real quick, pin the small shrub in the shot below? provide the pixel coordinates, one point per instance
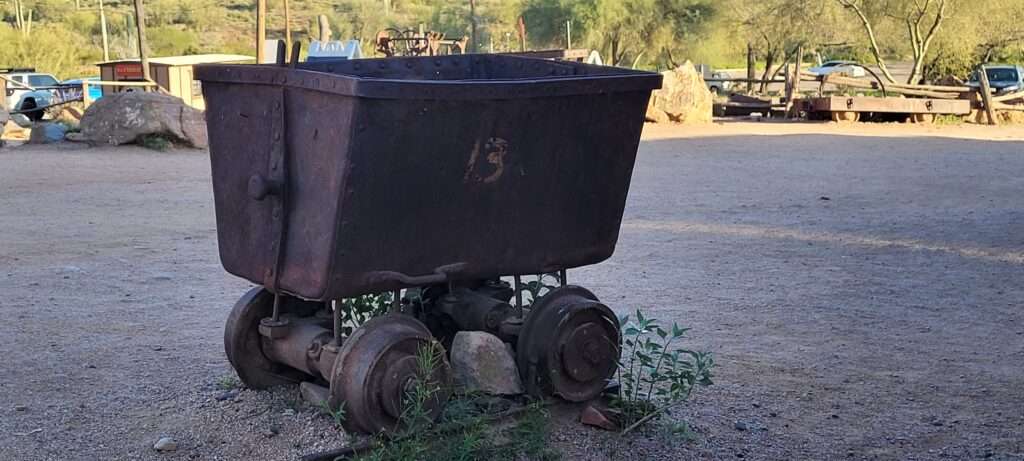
(337, 415)
(358, 310)
(228, 382)
(155, 142)
(654, 373)
(464, 433)
(949, 119)
(534, 289)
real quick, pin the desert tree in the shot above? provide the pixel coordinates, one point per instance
(921, 21)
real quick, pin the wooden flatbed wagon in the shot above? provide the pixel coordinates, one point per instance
(853, 108)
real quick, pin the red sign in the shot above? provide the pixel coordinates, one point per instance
(128, 70)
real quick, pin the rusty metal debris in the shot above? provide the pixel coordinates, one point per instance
(394, 42)
(434, 175)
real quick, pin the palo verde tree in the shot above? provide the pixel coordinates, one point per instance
(921, 21)
(626, 32)
(777, 28)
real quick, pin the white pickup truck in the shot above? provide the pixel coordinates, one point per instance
(27, 90)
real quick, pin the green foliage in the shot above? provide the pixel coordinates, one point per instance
(155, 142)
(337, 415)
(652, 34)
(474, 439)
(50, 48)
(228, 382)
(532, 290)
(464, 432)
(356, 311)
(655, 376)
(173, 41)
(626, 32)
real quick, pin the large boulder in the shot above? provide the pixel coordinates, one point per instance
(683, 98)
(123, 118)
(482, 363)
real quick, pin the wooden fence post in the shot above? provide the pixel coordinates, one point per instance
(986, 95)
(85, 94)
(261, 30)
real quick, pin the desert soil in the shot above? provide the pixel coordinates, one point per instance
(860, 285)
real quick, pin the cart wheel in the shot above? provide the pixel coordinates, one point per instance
(244, 345)
(569, 345)
(379, 365)
(845, 116)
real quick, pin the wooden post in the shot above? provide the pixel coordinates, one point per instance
(986, 95)
(287, 29)
(103, 30)
(750, 68)
(794, 85)
(140, 26)
(261, 30)
(85, 94)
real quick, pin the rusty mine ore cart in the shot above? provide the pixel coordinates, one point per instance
(433, 175)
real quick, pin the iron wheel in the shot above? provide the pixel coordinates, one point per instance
(569, 345)
(376, 369)
(244, 344)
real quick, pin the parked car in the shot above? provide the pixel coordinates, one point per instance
(95, 92)
(29, 90)
(719, 87)
(1003, 78)
(839, 67)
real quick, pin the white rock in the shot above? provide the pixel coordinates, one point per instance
(481, 362)
(165, 444)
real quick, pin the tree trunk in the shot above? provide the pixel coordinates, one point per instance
(921, 44)
(750, 68)
(324, 28)
(472, 26)
(870, 30)
(769, 61)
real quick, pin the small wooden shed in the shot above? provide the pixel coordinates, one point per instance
(172, 73)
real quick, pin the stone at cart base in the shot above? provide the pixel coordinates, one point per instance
(47, 133)
(598, 416)
(314, 394)
(481, 362)
(165, 444)
(123, 118)
(683, 98)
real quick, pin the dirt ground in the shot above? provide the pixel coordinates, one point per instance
(860, 285)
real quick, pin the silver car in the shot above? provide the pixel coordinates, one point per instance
(29, 90)
(1003, 79)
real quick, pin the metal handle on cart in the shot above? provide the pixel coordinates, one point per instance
(440, 275)
(260, 187)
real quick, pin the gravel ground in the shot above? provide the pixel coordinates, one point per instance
(860, 286)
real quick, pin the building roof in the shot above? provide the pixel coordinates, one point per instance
(189, 60)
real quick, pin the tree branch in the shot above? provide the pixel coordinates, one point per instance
(849, 4)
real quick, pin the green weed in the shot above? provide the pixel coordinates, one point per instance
(228, 382)
(656, 374)
(155, 142)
